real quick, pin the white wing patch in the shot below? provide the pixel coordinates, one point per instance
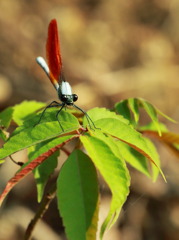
(41, 61)
(66, 88)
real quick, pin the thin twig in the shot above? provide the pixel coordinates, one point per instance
(46, 200)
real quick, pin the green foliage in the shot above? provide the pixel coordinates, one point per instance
(6, 116)
(26, 110)
(45, 169)
(77, 192)
(118, 140)
(26, 136)
(133, 104)
(107, 159)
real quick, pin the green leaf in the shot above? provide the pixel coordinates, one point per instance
(25, 110)
(152, 127)
(133, 105)
(92, 230)
(45, 169)
(100, 113)
(43, 172)
(128, 135)
(49, 116)
(106, 158)
(4, 135)
(151, 112)
(170, 139)
(28, 168)
(19, 112)
(77, 193)
(165, 116)
(134, 158)
(123, 109)
(155, 170)
(43, 147)
(6, 117)
(32, 135)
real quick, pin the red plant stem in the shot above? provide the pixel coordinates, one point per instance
(28, 169)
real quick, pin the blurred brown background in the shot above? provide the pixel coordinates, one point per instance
(111, 50)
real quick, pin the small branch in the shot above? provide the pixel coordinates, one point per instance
(44, 205)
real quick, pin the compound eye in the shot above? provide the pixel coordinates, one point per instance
(75, 97)
(64, 98)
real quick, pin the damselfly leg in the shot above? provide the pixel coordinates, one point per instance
(89, 120)
(62, 106)
(52, 104)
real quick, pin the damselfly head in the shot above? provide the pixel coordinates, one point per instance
(69, 99)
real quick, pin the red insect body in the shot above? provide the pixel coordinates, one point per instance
(53, 53)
